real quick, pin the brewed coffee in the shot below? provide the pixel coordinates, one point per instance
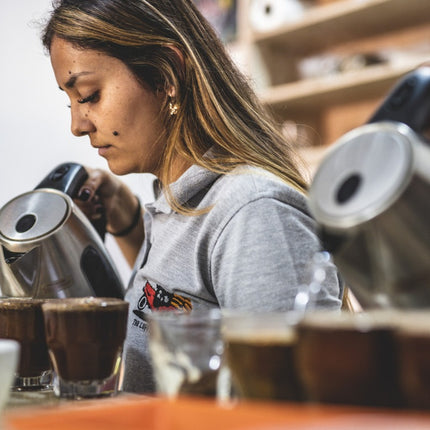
(262, 367)
(412, 338)
(22, 319)
(347, 358)
(85, 337)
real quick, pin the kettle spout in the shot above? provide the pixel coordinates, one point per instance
(18, 272)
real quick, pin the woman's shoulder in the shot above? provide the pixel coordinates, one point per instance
(246, 183)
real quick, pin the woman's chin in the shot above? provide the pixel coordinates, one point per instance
(120, 169)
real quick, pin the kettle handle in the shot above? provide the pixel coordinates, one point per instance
(408, 102)
(68, 178)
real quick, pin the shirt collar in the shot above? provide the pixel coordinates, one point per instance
(192, 181)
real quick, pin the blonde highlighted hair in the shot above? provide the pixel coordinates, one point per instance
(218, 110)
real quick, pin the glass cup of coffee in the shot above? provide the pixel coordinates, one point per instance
(347, 358)
(21, 319)
(259, 351)
(85, 338)
(186, 351)
(412, 337)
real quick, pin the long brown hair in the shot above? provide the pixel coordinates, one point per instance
(218, 110)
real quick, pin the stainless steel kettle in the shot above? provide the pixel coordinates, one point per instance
(370, 198)
(49, 248)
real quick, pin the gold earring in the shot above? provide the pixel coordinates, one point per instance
(173, 108)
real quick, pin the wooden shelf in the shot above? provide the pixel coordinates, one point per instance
(343, 21)
(397, 32)
(318, 93)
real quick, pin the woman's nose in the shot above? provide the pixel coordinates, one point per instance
(81, 125)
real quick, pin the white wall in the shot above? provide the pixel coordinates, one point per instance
(34, 119)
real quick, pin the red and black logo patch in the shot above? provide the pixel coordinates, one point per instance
(160, 299)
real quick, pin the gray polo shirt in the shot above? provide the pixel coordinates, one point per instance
(249, 251)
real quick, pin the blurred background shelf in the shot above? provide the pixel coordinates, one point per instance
(318, 93)
(333, 66)
(344, 20)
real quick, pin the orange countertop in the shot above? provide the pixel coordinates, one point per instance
(152, 413)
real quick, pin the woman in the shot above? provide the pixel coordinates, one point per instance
(152, 86)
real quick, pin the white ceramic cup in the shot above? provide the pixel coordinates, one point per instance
(9, 355)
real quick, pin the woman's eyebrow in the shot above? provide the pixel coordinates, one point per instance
(72, 79)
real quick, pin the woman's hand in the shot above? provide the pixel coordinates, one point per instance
(103, 194)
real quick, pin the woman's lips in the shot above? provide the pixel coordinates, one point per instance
(103, 150)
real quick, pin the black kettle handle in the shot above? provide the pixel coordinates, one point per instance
(68, 178)
(408, 102)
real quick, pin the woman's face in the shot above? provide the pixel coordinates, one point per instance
(120, 116)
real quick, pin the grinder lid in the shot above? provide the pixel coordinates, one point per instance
(33, 215)
(362, 175)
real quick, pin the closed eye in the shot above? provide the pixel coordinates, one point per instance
(94, 97)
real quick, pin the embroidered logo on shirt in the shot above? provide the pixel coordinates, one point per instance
(159, 299)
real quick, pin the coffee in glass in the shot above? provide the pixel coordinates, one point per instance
(259, 354)
(21, 319)
(85, 339)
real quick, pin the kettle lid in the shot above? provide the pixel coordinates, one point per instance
(362, 174)
(33, 215)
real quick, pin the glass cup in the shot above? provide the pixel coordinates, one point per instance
(21, 319)
(412, 338)
(186, 351)
(85, 338)
(259, 351)
(348, 358)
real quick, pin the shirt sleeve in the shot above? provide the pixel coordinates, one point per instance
(262, 256)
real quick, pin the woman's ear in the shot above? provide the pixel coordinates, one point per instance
(171, 92)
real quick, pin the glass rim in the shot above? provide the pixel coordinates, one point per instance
(24, 302)
(83, 304)
(194, 316)
(8, 345)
